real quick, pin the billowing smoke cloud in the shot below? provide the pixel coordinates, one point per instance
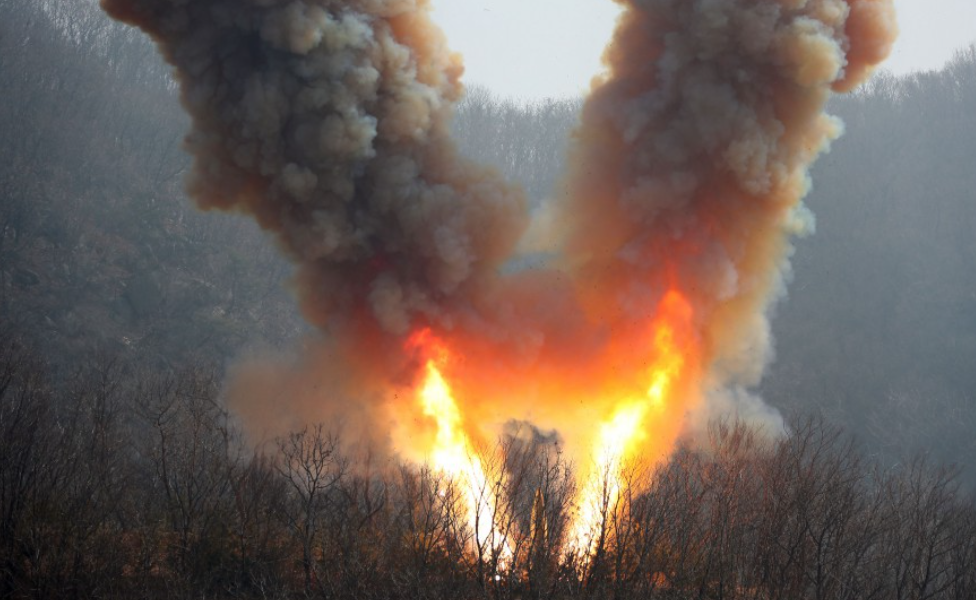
(328, 121)
(693, 158)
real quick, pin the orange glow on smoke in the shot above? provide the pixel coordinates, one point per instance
(637, 391)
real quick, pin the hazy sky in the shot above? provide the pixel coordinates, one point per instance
(538, 48)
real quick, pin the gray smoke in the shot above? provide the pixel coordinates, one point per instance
(328, 121)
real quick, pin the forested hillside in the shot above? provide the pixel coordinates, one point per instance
(99, 248)
(879, 330)
(122, 475)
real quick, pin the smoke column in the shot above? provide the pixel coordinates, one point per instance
(693, 157)
(328, 121)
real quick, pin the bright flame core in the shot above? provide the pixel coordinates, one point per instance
(640, 427)
(621, 438)
(452, 454)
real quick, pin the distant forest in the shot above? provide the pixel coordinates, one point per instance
(121, 475)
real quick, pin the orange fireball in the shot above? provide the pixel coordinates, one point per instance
(637, 390)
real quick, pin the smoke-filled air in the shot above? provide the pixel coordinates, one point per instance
(667, 241)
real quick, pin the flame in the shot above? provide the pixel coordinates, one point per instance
(622, 437)
(643, 381)
(452, 453)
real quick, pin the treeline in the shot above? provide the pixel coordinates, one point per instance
(116, 483)
(526, 140)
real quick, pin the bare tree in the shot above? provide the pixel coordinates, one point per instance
(189, 449)
(25, 442)
(311, 464)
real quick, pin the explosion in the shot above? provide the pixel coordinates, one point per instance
(623, 437)
(451, 451)
(328, 121)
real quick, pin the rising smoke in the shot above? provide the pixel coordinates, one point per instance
(328, 121)
(693, 158)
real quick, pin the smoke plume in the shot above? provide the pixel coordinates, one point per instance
(328, 121)
(693, 157)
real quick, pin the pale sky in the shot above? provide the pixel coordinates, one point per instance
(537, 48)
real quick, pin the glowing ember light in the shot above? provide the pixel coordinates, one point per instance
(620, 438)
(452, 454)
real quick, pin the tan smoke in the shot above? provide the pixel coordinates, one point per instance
(693, 157)
(328, 121)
